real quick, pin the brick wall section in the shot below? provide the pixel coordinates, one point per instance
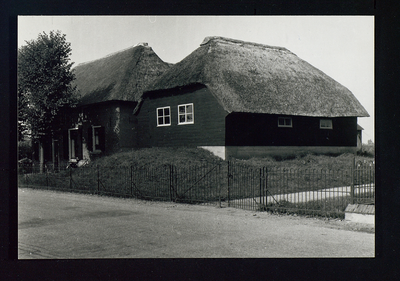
(361, 209)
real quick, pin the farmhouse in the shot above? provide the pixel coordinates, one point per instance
(110, 89)
(241, 99)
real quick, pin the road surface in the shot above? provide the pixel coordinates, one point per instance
(58, 225)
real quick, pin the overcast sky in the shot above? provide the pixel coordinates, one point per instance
(340, 46)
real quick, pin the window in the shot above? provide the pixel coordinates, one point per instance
(185, 114)
(285, 122)
(163, 116)
(325, 124)
(96, 138)
(73, 143)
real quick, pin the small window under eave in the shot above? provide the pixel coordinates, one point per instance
(325, 124)
(285, 122)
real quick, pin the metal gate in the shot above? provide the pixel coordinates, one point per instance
(247, 187)
(196, 184)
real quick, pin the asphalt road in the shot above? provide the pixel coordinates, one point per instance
(61, 225)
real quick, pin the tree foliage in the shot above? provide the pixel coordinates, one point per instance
(44, 83)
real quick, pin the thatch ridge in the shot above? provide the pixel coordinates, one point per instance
(122, 75)
(251, 77)
(225, 40)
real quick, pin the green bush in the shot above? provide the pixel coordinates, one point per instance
(368, 150)
(329, 207)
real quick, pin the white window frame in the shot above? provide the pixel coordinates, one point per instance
(71, 144)
(163, 116)
(94, 139)
(326, 124)
(284, 122)
(185, 114)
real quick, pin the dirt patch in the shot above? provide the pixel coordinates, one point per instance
(339, 224)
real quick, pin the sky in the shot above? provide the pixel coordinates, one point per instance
(340, 46)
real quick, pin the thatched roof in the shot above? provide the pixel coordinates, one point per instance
(250, 77)
(119, 76)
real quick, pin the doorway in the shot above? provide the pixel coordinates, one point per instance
(74, 144)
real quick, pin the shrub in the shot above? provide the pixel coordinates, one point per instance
(368, 150)
(25, 150)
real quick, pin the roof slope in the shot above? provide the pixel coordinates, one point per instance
(250, 77)
(119, 76)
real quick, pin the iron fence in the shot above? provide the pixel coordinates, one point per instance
(325, 192)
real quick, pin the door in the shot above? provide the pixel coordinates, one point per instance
(74, 144)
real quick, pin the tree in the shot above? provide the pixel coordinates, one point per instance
(44, 83)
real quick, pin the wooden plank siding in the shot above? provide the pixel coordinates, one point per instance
(209, 119)
(246, 129)
(128, 122)
(117, 119)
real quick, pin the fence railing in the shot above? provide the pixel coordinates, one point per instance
(325, 192)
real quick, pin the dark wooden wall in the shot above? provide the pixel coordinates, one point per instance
(106, 115)
(245, 129)
(209, 119)
(128, 122)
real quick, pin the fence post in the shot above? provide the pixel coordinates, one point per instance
(70, 178)
(266, 185)
(261, 186)
(98, 179)
(353, 171)
(219, 184)
(229, 182)
(171, 180)
(47, 178)
(131, 183)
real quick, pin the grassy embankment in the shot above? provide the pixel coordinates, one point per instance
(182, 157)
(115, 167)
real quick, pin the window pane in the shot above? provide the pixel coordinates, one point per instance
(167, 120)
(189, 108)
(160, 120)
(181, 109)
(281, 121)
(96, 136)
(189, 118)
(160, 112)
(166, 111)
(181, 118)
(325, 123)
(288, 122)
